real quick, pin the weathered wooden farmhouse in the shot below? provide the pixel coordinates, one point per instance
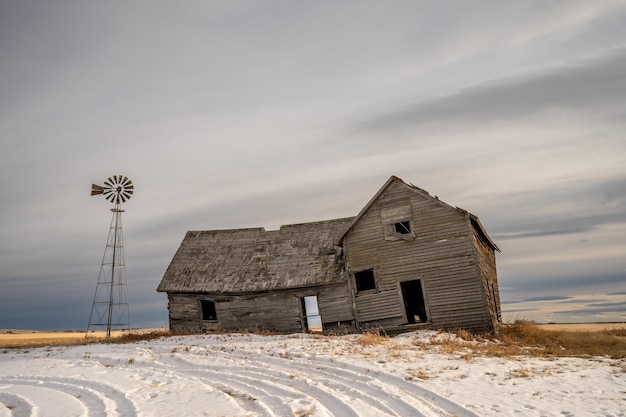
(406, 261)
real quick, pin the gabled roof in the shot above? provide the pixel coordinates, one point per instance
(249, 260)
(395, 180)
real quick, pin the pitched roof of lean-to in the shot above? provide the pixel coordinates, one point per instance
(249, 260)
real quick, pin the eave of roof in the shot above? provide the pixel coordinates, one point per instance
(476, 221)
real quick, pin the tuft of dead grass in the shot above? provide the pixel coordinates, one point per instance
(529, 339)
(372, 338)
(616, 332)
(138, 336)
(522, 334)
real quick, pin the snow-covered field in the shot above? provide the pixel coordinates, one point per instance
(300, 375)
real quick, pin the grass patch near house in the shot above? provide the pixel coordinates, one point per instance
(529, 339)
(372, 338)
(520, 338)
(534, 340)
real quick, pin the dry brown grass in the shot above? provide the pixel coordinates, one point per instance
(26, 340)
(372, 337)
(138, 336)
(520, 338)
(535, 339)
(37, 339)
(529, 339)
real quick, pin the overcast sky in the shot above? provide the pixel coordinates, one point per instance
(229, 114)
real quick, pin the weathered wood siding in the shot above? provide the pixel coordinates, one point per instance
(487, 266)
(277, 311)
(184, 312)
(440, 252)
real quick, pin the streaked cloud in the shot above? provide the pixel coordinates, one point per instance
(241, 114)
(593, 86)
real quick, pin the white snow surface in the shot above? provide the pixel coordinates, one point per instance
(300, 375)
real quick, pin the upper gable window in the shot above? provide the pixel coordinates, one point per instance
(397, 221)
(403, 228)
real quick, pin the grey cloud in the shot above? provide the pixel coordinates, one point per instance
(597, 86)
(585, 207)
(579, 301)
(518, 310)
(608, 304)
(589, 311)
(58, 300)
(172, 94)
(546, 298)
(568, 283)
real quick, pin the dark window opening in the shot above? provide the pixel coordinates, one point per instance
(403, 228)
(365, 280)
(414, 301)
(208, 310)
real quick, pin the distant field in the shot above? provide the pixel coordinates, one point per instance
(583, 327)
(21, 338)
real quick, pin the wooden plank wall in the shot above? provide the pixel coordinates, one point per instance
(442, 254)
(275, 311)
(487, 264)
(184, 312)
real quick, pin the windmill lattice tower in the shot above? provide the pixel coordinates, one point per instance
(110, 306)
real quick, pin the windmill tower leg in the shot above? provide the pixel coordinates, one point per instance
(110, 309)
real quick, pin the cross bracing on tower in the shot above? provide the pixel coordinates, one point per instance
(110, 308)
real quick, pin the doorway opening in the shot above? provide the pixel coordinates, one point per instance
(311, 314)
(414, 305)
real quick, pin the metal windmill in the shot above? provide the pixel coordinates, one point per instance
(110, 305)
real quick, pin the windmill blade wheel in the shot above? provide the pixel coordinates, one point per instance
(116, 189)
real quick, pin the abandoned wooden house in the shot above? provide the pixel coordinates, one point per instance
(406, 261)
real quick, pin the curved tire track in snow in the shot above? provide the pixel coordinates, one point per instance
(251, 380)
(97, 399)
(19, 406)
(339, 388)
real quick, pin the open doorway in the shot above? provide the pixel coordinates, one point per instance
(311, 314)
(414, 305)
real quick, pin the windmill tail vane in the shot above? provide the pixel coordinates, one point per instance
(96, 189)
(110, 306)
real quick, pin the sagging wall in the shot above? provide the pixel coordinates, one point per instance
(487, 265)
(277, 311)
(439, 252)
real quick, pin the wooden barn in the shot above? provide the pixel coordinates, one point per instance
(406, 261)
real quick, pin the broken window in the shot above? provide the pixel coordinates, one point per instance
(365, 280)
(403, 228)
(208, 310)
(397, 222)
(414, 304)
(311, 316)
